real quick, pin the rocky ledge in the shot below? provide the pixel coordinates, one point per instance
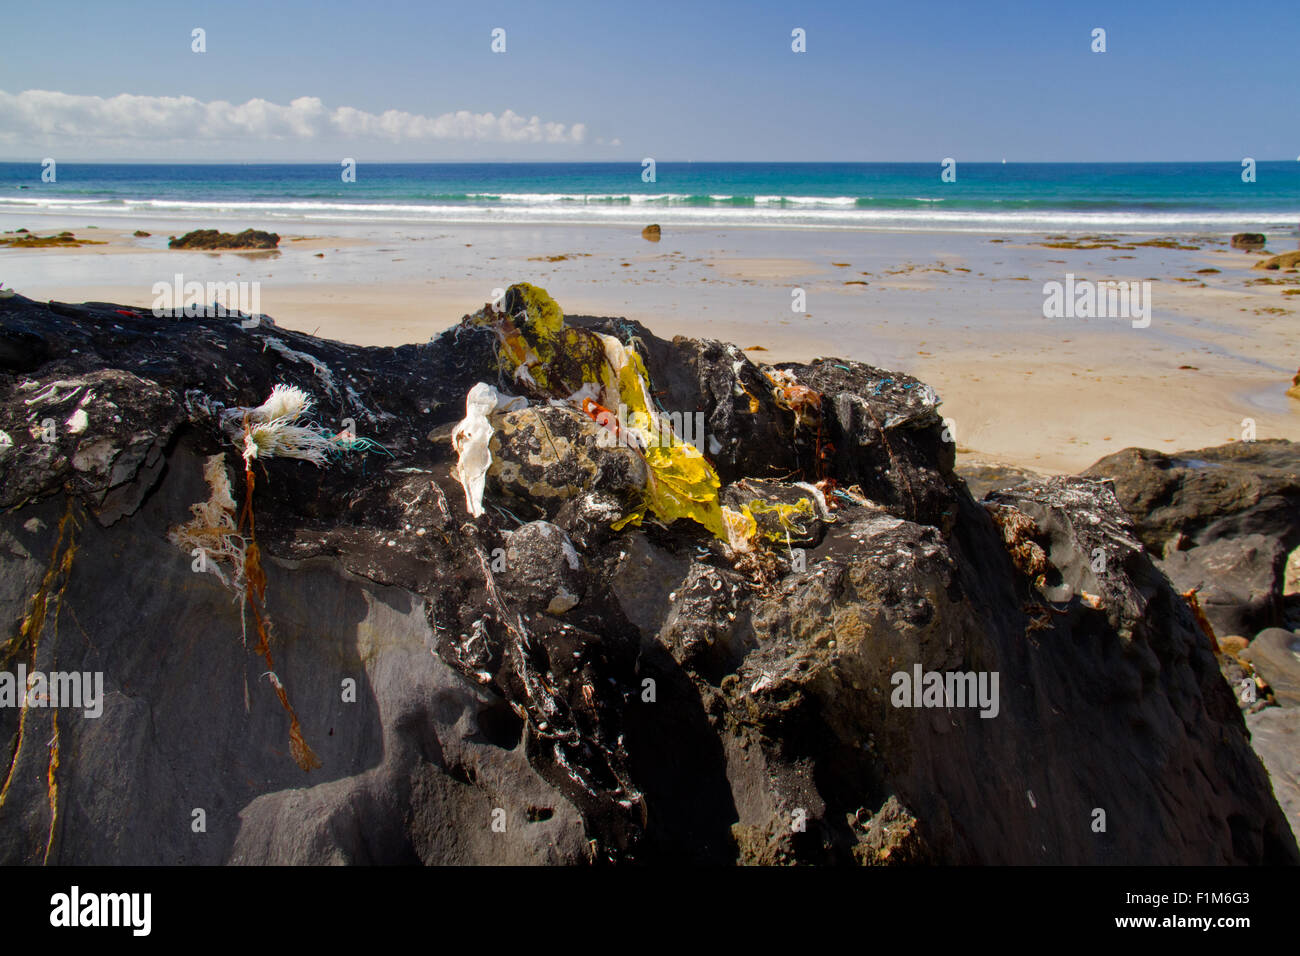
(535, 685)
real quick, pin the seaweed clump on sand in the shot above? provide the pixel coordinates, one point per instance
(214, 240)
(22, 239)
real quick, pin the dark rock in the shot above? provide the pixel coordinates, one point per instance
(1094, 560)
(982, 479)
(1222, 519)
(650, 232)
(890, 837)
(884, 433)
(802, 531)
(21, 350)
(816, 694)
(1236, 579)
(1275, 735)
(543, 569)
(646, 580)
(689, 707)
(1250, 241)
(701, 626)
(212, 239)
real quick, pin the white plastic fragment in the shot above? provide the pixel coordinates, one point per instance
(470, 440)
(77, 422)
(817, 497)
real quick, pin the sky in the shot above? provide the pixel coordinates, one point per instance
(417, 80)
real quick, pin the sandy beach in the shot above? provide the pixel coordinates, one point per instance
(961, 310)
(701, 436)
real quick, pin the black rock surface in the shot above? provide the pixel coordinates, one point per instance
(1222, 520)
(662, 700)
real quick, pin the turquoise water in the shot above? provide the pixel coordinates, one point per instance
(1066, 197)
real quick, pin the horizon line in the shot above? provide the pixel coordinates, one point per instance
(638, 162)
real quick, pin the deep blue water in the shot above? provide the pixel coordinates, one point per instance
(1143, 197)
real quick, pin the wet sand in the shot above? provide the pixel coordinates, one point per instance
(962, 311)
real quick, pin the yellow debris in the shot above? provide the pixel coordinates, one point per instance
(584, 367)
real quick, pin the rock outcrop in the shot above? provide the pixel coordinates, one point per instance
(1274, 655)
(535, 686)
(1222, 520)
(1227, 522)
(1249, 241)
(212, 239)
(1287, 261)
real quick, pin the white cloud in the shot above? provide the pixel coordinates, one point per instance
(51, 116)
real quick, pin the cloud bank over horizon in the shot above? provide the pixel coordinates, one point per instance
(48, 119)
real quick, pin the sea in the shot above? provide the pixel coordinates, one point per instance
(1069, 198)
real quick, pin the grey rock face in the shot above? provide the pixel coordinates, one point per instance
(682, 703)
(1223, 519)
(544, 568)
(1275, 654)
(1275, 734)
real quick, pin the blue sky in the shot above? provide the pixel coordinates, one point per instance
(673, 80)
